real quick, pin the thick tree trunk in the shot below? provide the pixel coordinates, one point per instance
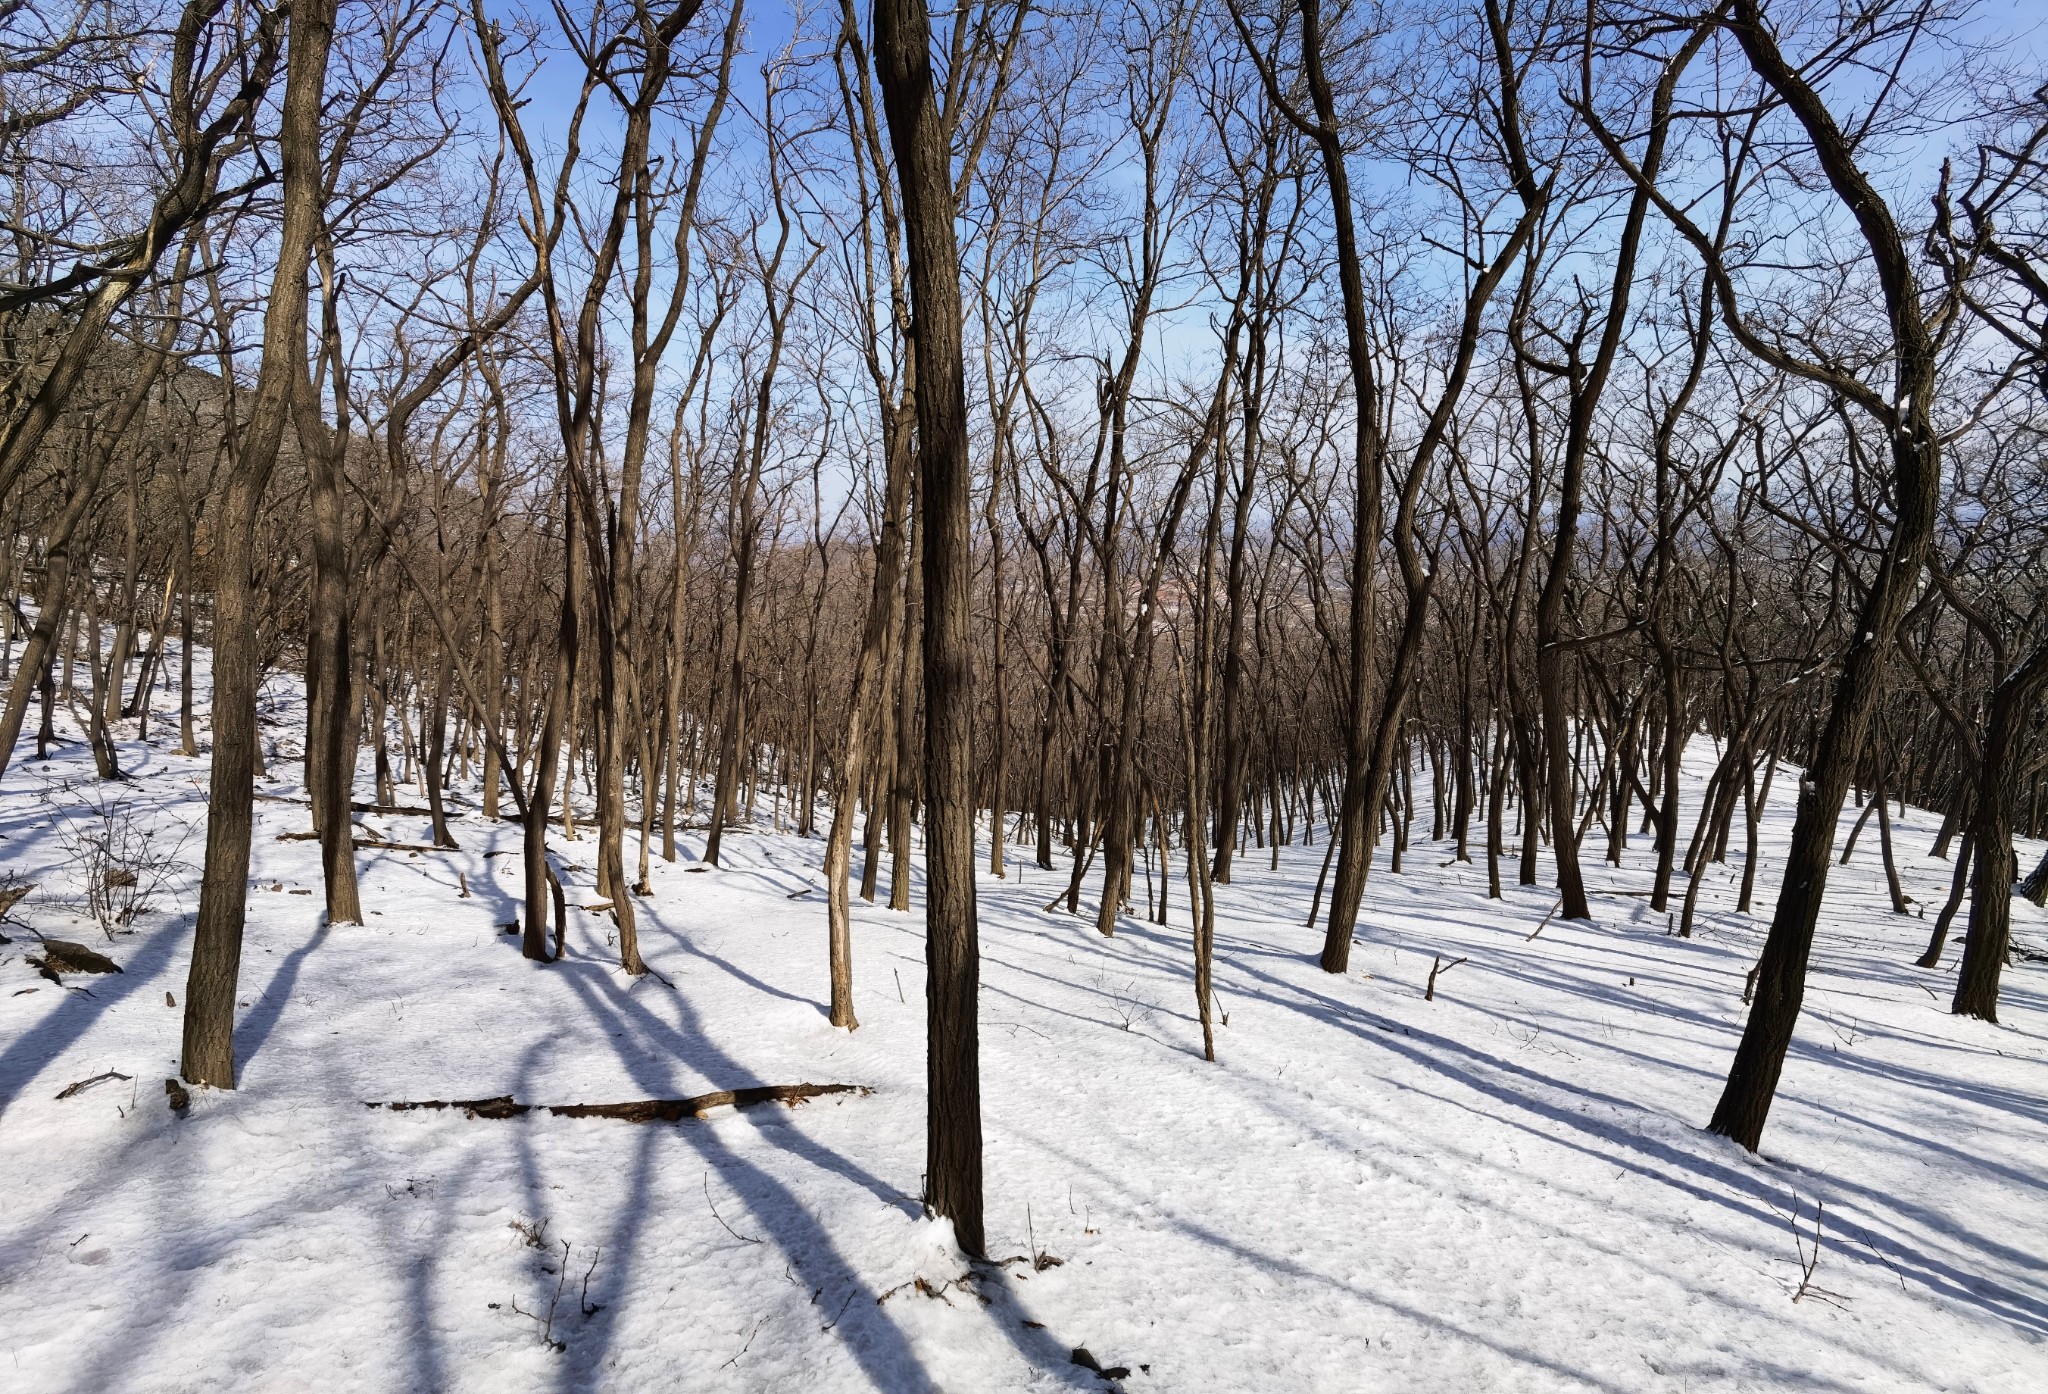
(952, 955)
(209, 1034)
(329, 659)
(556, 720)
(902, 791)
(1354, 823)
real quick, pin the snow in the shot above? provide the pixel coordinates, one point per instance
(1504, 1189)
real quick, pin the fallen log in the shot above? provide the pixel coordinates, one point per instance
(372, 842)
(633, 1110)
(63, 956)
(675, 1110)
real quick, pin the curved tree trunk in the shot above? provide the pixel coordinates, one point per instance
(1915, 484)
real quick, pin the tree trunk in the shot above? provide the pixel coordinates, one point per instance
(209, 1032)
(952, 956)
(556, 720)
(863, 708)
(1990, 933)
(1916, 486)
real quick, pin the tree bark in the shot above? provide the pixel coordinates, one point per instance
(1916, 483)
(209, 1029)
(953, 1184)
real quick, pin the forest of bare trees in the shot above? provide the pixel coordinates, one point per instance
(1118, 440)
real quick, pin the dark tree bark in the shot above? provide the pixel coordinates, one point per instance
(952, 953)
(209, 1035)
(1354, 824)
(1588, 384)
(1915, 486)
(330, 698)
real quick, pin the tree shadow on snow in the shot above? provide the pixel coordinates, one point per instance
(1523, 1090)
(864, 1329)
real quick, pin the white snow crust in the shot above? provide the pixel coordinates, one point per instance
(1507, 1188)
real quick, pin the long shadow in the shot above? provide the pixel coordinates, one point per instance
(1350, 1018)
(1988, 1096)
(26, 1056)
(582, 1361)
(261, 1018)
(1258, 1259)
(1662, 1162)
(1805, 1048)
(187, 1251)
(734, 970)
(874, 1341)
(1533, 971)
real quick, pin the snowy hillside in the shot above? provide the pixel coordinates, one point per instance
(1506, 1188)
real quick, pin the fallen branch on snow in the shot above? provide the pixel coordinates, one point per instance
(634, 1110)
(63, 956)
(372, 842)
(84, 1084)
(1436, 966)
(1546, 920)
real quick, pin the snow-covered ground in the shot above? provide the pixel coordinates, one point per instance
(1504, 1189)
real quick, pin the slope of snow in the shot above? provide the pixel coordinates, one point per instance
(1506, 1188)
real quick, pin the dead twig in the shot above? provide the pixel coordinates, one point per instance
(743, 1238)
(1436, 966)
(734, 1362)
(547, 1323)
(841, 1312)
(84, 1084)
(1808, 1262)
